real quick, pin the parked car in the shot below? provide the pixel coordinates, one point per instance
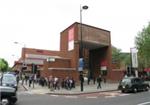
(8, 95)
(133, 84)
(9, 80)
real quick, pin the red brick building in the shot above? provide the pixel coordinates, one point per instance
(96, 44)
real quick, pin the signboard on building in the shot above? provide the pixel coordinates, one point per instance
(71, 39)
(50, 59)
(103, 65)
(81, 64)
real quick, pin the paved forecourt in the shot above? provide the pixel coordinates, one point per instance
(92, 88)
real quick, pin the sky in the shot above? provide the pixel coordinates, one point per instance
(38, 23)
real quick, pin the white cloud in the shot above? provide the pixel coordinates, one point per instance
(38, 23)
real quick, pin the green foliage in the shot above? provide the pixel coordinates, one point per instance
(142, 42)
(116, 54)
(125, 58)
(116, 57)
(3, 65)
(119, 58)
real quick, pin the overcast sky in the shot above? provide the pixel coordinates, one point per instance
(38, 23)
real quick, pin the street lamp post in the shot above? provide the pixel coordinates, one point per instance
(23, 61)
(81, 45)
(81, 48)
(24, 46)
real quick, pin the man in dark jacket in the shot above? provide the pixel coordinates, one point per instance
(99, 79)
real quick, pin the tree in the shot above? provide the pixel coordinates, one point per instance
(116, 56)
(125, 58)
(119, 58)
(142, 42)
(3, 65)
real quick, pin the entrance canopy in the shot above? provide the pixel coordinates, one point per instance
(93, 45)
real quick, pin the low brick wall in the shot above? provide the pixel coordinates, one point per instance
(116, 75)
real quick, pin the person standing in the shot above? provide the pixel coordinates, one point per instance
(104, 79)
(51, 82)
(26, 78)
(30, 80)
(23, 79)
(81, 81)
(99, 79)
(17, 77)
(94, 80)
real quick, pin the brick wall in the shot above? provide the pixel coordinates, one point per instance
(61, 71)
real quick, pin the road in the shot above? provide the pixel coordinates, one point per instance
(103, 98)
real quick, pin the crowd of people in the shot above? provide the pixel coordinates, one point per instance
(51, 82)
(54, 83)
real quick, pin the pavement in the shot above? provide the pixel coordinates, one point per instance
(87, 89)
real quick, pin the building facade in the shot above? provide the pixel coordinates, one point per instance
(78, 40)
